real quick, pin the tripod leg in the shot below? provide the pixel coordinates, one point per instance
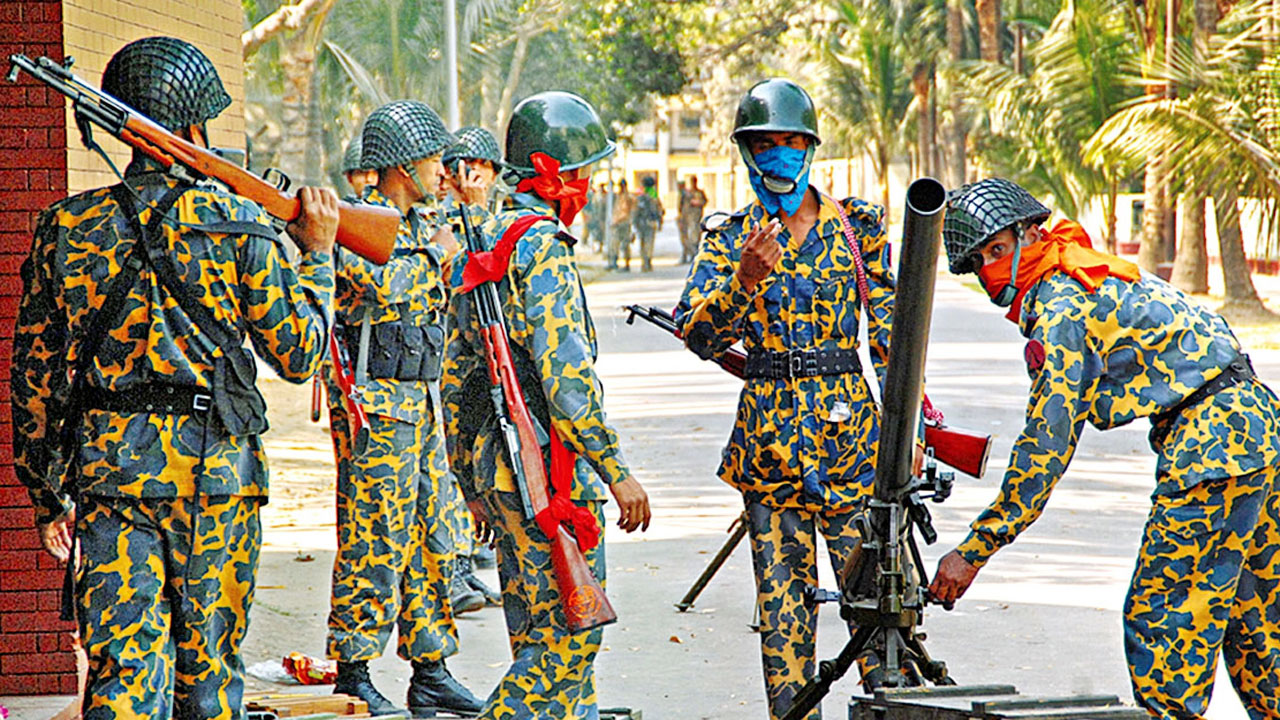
(829, 671)
(739, 532)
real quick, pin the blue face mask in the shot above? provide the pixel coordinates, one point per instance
(784, 163)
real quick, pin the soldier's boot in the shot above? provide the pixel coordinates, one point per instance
(432, 690)
(353, 679)
(466, 570)
(484, 557)
(462, 597)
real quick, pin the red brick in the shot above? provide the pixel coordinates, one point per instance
(29, 622)
(17, 685)
(15, 643)
(6, 452)
(17, 518)
(15, 241)
(34, 158)
(44, 32)
(45, 561)
(49, 602)
(11, 560)
(12, 12)
(19, 539)
(29, 116)
(14, 180)
(13, 221)
(58, 137)
(39, 179)
(50, 580)
(14, 137)
(47, 642)
(19, 601)
(37, 138)
(11, 496)
(38, 664)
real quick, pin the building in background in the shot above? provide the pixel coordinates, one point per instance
(42, 161)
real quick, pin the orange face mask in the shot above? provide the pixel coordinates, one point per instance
(1066, 247)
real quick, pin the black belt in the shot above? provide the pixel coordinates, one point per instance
(1238, 371)
(157, 398)
(801, 363)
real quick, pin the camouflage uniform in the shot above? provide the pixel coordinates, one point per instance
(547, 321)
(802, 449)
(1206, 576)
(392, 538)
(167, 511)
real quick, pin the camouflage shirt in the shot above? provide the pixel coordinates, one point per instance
(546, 316)
(410, 286)
(1127, 351)
(247, 281)
(797, 442)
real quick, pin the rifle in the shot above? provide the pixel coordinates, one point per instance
(581, 596)
(964, 450)
(368, 231)
(346, 383)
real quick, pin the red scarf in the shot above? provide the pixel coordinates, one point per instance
(1066, 247)
(548, 185)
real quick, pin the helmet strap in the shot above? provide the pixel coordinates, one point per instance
(412, 172)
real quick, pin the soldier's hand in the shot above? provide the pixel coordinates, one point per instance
(316, 226)
(760, 252)
(633, 503)
(953, 578)
(55, 536)
(479, 513)
(469, 184)
(445, 238)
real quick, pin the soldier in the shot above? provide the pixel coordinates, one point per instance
(395, 548)
(620, 231)
(1109, 345)
(693, 202)
(152, 451)
(552, 141)
(781, 276)
(646, 218)
(478, 149)
(358, 177)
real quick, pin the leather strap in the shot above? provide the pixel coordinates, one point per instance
(800, 363)
(1237, 371)
(157, 398)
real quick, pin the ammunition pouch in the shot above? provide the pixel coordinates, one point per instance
(400, 350)
(800, 363)
(236, 399)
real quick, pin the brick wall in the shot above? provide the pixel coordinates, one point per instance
(37, 168)
(35, 646)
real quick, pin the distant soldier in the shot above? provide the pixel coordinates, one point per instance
(358, 177)
(693, 203)
(646, 219)
(136, 419)
(395, 546)
(478, 149)
(1108, 345)
(552, 141)
(620, 232)
(781, 276)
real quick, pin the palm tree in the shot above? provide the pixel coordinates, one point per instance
(1222, 133)
(1039, 120)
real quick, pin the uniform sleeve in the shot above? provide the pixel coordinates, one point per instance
(553, 302)
(461, 359)
(38, 379)
(1056, 412)
(714, 303)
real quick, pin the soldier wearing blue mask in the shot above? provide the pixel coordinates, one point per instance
(791, 276)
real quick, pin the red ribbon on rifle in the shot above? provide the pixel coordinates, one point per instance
(560, 509)
(491, 265)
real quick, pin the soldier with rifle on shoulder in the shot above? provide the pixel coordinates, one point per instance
(137, 423)
(394, 565)
(791, 276)
(527, 275)
(1108, 344)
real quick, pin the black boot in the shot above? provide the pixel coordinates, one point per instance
(467, 571)
(353, 679)
(484, 557)
(462, 597)
(433, 689)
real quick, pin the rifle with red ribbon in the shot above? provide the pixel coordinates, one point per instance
(351, 396)
(583, 599)
(964, 450)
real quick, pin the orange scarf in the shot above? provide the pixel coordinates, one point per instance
(1066, 247)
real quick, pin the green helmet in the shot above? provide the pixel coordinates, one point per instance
(351, 160)
(776, 105)
(978, 211)
(559, 124)
(168, 80)
(400, 133)
(474, 143)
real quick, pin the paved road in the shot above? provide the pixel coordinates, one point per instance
(1044, 615)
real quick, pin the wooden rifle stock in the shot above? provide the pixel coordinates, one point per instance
(368, 231)
(581, 596)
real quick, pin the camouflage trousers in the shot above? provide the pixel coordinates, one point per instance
(1208, 578)
(162, 608)
(784, 555)
(552, 673)
(395, 545)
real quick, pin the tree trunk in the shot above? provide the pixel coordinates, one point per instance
(513, 79)
(298, 68)
(989, 29)
(1191, 265)
(1241, 301)
(1109, 209)
(1151, 251)
(956, 131)
(882, 170)
(920, 77)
